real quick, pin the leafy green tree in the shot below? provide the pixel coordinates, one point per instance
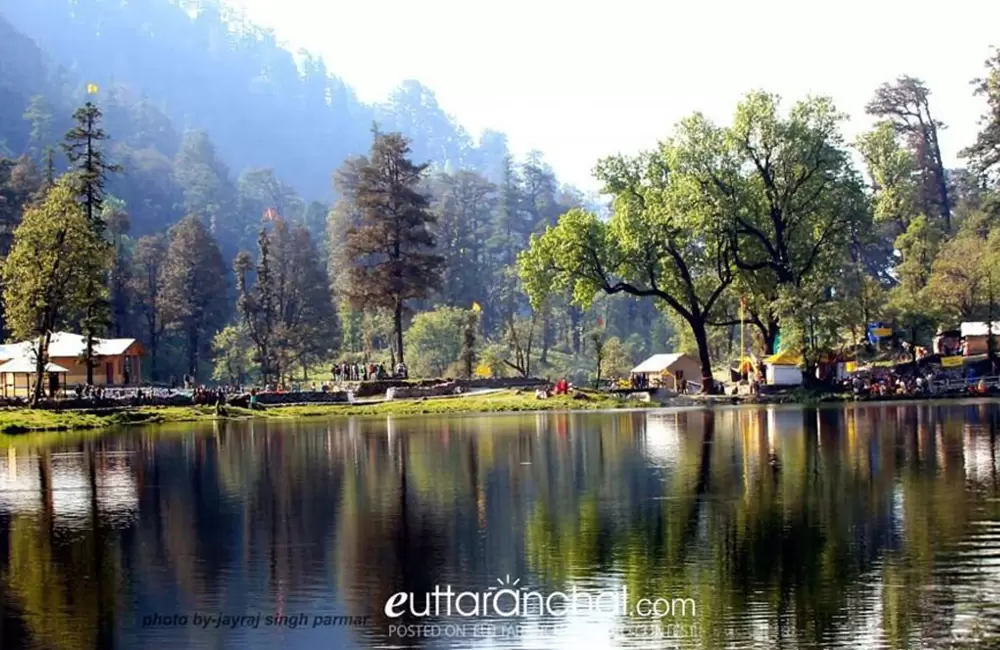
(891, 168)
(918, 247)
(233, 351)
(392, 249)
(492, 359)
(911, 310)
(786, 186)
(434, 341)
(659, 243)
(52, 272)
(958, 282)
(617, 358)
(905, 103)
(984, 154)
(194, 298)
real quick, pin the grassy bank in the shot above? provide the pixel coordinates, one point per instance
(26, 420)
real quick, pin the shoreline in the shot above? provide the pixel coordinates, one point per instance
(25, 420)
(14, 422)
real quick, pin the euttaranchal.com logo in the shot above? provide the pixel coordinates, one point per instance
(511, 599)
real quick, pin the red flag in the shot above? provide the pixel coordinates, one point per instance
(600, 321)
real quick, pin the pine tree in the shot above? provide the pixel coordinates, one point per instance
(87, 162)
(40, 118)
(88, 173)
(392, 249)
(257, 304)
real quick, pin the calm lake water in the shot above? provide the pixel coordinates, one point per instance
(858, 527)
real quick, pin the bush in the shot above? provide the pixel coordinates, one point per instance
(434, 341)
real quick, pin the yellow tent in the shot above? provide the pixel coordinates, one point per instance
(784, 358)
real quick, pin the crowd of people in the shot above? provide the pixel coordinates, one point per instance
(367, 371)
(896, 384)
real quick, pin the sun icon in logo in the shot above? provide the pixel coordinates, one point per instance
(507, 583)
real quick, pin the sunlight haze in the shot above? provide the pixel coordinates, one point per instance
(578, 84)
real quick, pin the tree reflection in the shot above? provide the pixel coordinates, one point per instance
(789, 527)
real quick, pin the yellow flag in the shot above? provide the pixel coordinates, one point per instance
(476, 308)
(91, 89)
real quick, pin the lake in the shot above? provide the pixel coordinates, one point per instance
(870, 526)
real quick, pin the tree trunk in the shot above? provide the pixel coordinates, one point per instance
(704, 357)
(769, 332)
(397, 324)
(547, 336)
(574, 322)
(600, 354)
(41, 359)
(154, 374)
(89, 355)
(942, 181)
(192, 353)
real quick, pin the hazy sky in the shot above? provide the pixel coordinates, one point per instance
(579, 80)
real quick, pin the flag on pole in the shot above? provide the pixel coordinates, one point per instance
(91, 89)
(476, 308)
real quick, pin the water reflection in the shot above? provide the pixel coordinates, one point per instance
(870, 526)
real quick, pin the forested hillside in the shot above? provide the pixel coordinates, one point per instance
(209, 117)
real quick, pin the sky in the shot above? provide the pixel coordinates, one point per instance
(581, 80)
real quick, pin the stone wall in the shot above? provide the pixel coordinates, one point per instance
(378, 388)
(304, 397)
(411, 392)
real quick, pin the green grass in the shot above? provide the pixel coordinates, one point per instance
(505, 401)
(28, 420)
(21, 421)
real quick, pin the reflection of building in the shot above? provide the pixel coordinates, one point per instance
(662, 441)
(21, 491)
(783, 422)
